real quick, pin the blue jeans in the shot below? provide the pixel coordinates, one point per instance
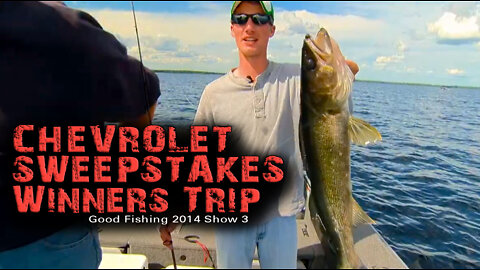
(73, 247)
(275, 240)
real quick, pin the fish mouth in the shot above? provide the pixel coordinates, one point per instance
(321, 40)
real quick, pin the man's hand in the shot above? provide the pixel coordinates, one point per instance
(165, 234)
(353, 66)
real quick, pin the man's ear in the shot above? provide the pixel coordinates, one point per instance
(272, 30)
(231, 31)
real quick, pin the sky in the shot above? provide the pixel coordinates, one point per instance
(409, 42)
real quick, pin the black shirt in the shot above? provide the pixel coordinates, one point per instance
(58, 66)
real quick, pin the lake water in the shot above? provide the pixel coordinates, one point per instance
(421, 184)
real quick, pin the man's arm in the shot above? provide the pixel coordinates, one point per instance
(145, 119)
(204, 115)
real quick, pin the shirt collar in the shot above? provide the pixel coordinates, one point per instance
(260, 78)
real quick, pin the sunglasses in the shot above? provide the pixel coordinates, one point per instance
(258, 19)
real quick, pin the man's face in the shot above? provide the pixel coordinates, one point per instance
(251, 39)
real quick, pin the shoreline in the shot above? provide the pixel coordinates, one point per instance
(373, 81)
(186, 71)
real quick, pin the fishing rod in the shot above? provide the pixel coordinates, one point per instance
(142, 69)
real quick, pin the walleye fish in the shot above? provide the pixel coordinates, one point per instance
(327, 128)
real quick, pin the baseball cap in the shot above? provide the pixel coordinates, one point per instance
(267, 7)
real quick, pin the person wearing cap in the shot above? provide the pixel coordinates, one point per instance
(260, 99)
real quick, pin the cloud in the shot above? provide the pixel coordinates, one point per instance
(182, 26)
(464, 9)
(454, 29)
(389, 59)
(210, 7)
(341, 27)
(171, 38)
(381, 61)
(167, 44)
(401, 47)
(378, 37)
(455, 71)
(410, 69)
(350, 31)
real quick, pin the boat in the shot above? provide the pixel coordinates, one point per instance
(140, 246)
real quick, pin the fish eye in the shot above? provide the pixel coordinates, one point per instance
(310, 64)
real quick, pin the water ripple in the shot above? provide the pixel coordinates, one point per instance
(421, 183)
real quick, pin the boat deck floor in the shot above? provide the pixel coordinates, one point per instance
(372, 249)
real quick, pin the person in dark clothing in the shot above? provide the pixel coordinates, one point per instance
(59, 67)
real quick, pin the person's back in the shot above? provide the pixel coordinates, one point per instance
(58, 67)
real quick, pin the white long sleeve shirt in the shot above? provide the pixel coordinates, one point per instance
(265, 114)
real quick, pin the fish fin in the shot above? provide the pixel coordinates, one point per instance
(362, 133)
(359, 216)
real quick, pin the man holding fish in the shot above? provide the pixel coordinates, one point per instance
(261, 100)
